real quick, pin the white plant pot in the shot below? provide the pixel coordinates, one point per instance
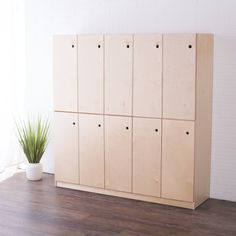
(34, 171)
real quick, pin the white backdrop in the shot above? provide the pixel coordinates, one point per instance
(12, 78)
(47, 17)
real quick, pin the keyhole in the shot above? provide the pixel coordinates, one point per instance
(127, 46)
(99, 45)
(156, 130)
(190, 46)
(73, 123)
(73, 45)
(127, 127)
(99, 125)
(187, 133)
(157, 46)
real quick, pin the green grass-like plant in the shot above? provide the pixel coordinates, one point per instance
(33, 138)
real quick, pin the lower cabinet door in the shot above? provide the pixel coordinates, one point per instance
(91, 150)
(146, 156)
(178, 160)
(66, 147)
(118, 153)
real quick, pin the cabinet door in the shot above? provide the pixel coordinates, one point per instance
(118, 156)
(66, 147)
(91, 150)
(146, 156)
(90, 73)
(178, 160)
(147, 90)
(65, 73)
(118, 74)
(179, 59)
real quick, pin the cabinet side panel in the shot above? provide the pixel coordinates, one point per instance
(204, 81)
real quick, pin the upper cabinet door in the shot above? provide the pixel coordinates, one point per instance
(65, 73)
(147, 156)
(91, 150)
(118, 74)
(178, 160)
(90, 73)
(179, 63)
(147, 90)
(66, 147)
(118, 153)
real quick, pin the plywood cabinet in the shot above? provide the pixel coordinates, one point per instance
(91, 150)
(147, 88)
(178, 160)
(65, 72)
(90, 73)
(133, 115)
(118, 153)
(118, 74)
(147, 156)
(179, 76)
(66, 147)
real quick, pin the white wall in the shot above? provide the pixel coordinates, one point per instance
(47, 17)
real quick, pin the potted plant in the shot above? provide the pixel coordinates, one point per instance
(33, 138)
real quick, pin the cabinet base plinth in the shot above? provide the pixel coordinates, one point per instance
(189, 205)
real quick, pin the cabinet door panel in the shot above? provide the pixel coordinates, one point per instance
(146, 156)
(90, 73)
(65, 73)
(66, 147)
(178, 160)
(179, 59)
(91, 150)
(118, 74)
(147, 91)
(118, 153)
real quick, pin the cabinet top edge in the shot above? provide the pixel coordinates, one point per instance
(121, 34)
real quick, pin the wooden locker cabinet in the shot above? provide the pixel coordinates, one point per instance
(133, 115)
(91, 150)
(118, 74)
(65, 72)
(66, 147)
(147, 87)
(90, 73)
(118, 153)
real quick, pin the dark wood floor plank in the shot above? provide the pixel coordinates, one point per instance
(39, 208)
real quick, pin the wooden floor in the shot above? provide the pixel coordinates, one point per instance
(39, 208)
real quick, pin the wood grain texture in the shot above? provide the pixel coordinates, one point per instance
(39, 208)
